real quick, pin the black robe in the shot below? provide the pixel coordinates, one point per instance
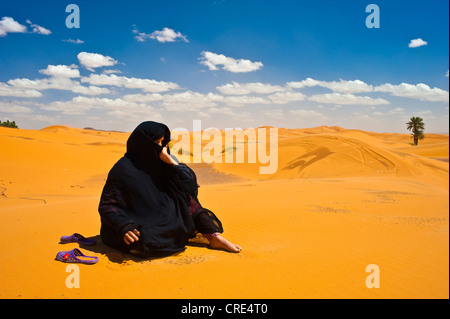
(145, 193)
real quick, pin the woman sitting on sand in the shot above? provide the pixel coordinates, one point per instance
(149, 204)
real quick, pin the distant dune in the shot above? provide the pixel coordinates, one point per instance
(325, 152)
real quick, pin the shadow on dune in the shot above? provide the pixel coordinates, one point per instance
(112, 254)
(116, 256)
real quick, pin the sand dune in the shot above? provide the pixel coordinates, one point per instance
(351, 153)
(340, 200)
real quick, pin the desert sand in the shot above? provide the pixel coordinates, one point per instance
(340, 200)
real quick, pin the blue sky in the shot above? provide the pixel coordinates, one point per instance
(227, 63)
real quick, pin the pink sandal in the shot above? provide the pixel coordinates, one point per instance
(75, 256)
(77, 238)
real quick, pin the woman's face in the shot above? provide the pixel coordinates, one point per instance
(159, 141)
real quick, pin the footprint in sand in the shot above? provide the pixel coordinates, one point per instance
(185, 260)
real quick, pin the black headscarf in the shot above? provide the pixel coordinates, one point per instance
(142, 148)
(145, 193)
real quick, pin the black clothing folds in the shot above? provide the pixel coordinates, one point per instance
(145, 193)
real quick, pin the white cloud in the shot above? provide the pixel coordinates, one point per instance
(78, 105)
(190, 101)
(6, 107)
(146, 85)
(95, 60)
(213, 60)
(244, 99)
(59, 70)
(286, 97)
(346, 99)
(222, 110)
(419, 91)
(33, 118)
(305, 83)
(306, 113)
(23, 83)
(81, 104)
(237, 116)
(415, 43)
(9, 25)
(194, 101)
(111, 71)
(203, 114)
(77, 41)
(57, 83)
(396, 111)
(235, 88)
(7, 90)
(165, 35)
(89, 90)
(446, 74)
(38, 29)
(277, 114)
(425, 114)
(143, 98)
(356, 86)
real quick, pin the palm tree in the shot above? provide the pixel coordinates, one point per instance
(417, 127)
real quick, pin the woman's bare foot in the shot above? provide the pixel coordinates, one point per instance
(219, 242)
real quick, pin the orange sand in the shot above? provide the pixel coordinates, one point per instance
(340, 200)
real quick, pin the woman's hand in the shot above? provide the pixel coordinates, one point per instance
(131, 236)
(165, 157)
